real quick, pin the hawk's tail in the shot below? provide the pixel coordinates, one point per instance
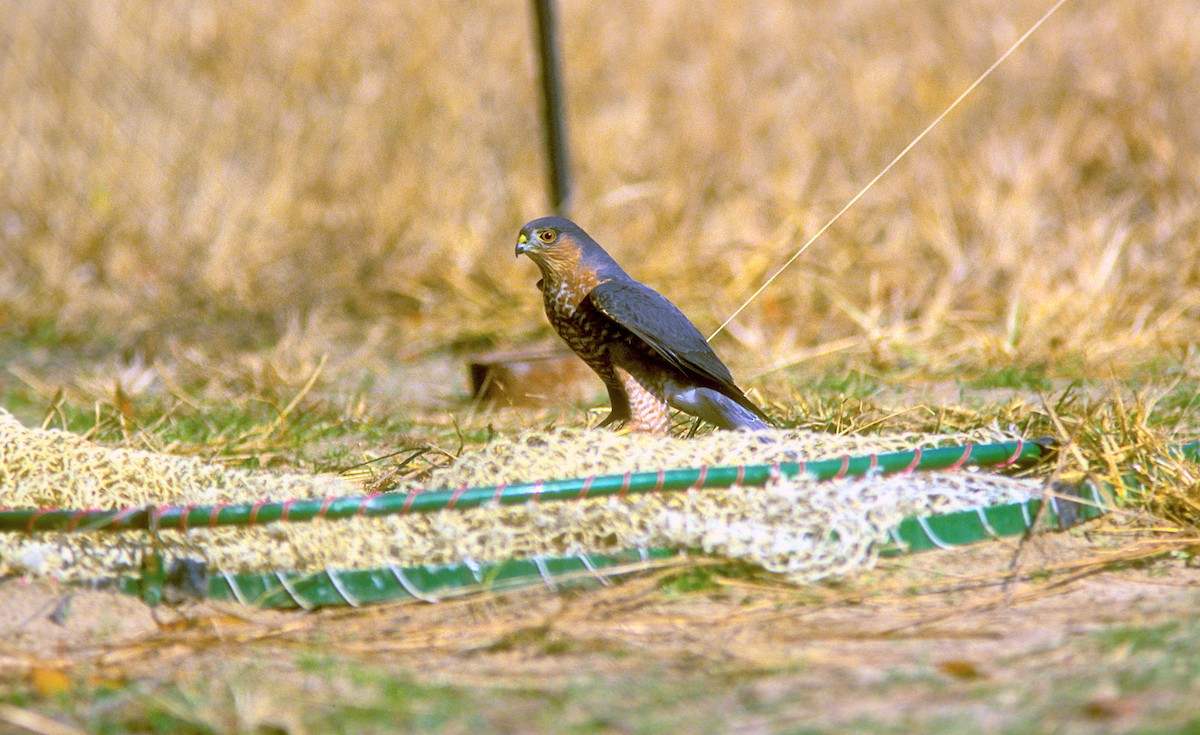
(717, 408)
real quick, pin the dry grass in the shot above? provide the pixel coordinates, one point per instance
(198, 202)
(220, 173)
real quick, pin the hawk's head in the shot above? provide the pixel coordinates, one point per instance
(561, 248)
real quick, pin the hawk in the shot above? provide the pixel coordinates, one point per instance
(648, 354)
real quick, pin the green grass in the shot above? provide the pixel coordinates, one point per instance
(1151, 668)
(349, 697)
(846, 383)
(1014, 377)
(1167, 655)
(690, 581)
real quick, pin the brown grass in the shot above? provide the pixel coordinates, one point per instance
(217, 173)
(208, 198)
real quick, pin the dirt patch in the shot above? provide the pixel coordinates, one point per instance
(46, 620)
(907, 640)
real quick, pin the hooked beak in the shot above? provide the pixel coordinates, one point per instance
(522, 244)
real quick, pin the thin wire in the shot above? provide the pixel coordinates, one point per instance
(888, 167)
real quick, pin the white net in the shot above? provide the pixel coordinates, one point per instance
(804, 529)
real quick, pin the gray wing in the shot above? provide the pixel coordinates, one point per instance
(662, 326)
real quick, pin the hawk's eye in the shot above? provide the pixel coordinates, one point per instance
(547, 236)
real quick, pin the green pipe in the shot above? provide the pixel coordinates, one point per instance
(960, 528)
(429, 583)
(354, 587)
(183, 517)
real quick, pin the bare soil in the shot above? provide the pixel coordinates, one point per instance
(971, 633)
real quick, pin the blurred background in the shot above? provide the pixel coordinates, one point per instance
(192, 180)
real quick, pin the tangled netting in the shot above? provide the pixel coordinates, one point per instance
(799, 527)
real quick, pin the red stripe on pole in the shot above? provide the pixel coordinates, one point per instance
(624, 485)
(587, 485)
(1016, 455)
(963, 459)
(121, 516)
(212, 515)
(913, 465)
(362, 507)
(704, 474)
(254, 512)
(183, 517)
(499, 492)
(844, 469)
(455, 496)
(33, 519)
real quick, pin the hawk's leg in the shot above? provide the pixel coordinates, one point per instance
(648, 408)
(643, 386)
(620, 405)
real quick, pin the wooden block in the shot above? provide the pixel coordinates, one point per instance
(530, 378)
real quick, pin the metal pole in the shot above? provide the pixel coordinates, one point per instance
(552, 103)
(261, 513)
